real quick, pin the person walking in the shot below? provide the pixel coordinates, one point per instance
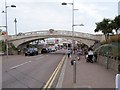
(78, 53)
(90, 55)
(69, 53)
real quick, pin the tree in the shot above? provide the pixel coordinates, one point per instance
(2, 46)
(105, 27)
(115, 24)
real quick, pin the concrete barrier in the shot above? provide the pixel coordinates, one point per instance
(109, 62)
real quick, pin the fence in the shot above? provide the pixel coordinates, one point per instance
(109, 62)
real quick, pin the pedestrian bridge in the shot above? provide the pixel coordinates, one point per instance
(88, 39)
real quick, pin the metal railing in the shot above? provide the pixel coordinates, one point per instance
(57, 32)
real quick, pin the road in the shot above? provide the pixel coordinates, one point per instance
(30, 71)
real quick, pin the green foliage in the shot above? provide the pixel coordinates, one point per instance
(105, 27)
(11, 46)
(116, 23)
(111, 49)
(2, 46)
(115, 38)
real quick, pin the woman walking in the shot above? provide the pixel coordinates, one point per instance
(90, 55)
(78, 53)
(68, 53)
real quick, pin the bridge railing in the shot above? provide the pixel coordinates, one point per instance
(57, 32)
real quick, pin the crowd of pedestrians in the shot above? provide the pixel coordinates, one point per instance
(90, 56)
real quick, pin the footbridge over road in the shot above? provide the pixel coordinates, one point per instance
(88, 39)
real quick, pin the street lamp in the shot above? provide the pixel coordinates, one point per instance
(6, 24)
(78, 25)
(73, 9)
(73, 42)
(3, 26)
(72, 22)
(15, 26)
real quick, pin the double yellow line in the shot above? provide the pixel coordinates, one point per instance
(52, 78)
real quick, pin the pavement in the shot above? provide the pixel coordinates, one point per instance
(88, 75)
(1, 53)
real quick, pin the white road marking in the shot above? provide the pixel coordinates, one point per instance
(60, 81)
(19, 65)
(38, 58)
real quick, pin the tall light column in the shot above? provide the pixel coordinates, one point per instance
(119, 8)
(7, 25)
(15, 26)
(6, 28)
(73, 42)
(72, 24)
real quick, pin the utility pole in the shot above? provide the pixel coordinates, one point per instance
(5, 11)
(119, 8)
(15, 26)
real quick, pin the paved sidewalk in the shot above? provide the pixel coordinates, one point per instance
(88, 75)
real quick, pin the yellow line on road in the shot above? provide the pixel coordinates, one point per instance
(52, 78)
(56, 73)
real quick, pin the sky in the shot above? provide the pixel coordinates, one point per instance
(40, 15)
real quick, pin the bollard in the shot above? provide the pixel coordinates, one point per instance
(74, 71)
(118, 79)
(107, 61)
(73, 63)
(119, 69)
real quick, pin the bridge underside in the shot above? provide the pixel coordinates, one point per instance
(26, 40)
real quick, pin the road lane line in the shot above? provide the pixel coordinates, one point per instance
(56, 73)
(38, 58)
(61, 78)
(53, 76)
(19, 65)
(46, 85)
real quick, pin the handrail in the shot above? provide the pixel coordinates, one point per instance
(56, 32)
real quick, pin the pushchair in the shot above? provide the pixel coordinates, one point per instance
(88, 60)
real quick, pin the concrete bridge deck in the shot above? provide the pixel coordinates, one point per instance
(88, 75)
(23, 38)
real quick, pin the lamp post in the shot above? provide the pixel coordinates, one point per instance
(73, 42)
(73, 9)
(72, 24)
(15, 26)
(3, 26)
(6, 24)
(118, 8)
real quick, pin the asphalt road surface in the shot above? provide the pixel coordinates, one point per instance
(19, 71)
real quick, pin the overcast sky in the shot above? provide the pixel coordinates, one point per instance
(37, 15)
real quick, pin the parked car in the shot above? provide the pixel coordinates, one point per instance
(31, 51)
(52, 48)
(48, 50)
(44, 50)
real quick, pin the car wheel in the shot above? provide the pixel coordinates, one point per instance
(37, 53)
(25, 54)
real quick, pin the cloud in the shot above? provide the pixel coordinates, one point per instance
(42, 12)
(90, 10)
(39, 14)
